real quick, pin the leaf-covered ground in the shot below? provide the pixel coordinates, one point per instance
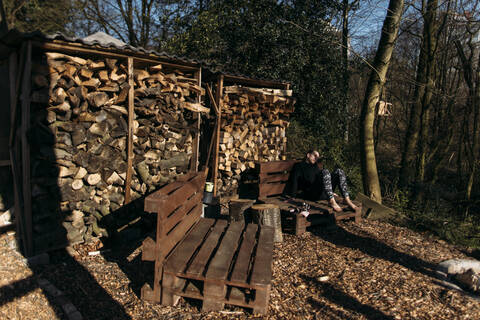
(369, 270)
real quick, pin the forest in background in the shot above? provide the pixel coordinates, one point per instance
(426, 150)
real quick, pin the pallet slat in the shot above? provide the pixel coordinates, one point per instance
(166, 204)
(276, 177)
(173, 194)
(262, 267)
(275, 166)
(220, 264)
(240, 270)
(270, 189)
(178, 260)
(198, 265)
(178, 233)
(182, 211)
(148, 249)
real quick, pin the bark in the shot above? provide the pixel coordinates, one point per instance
(419, 115)
(346, 76)
(371, 184)
(346, 8)
(430, 35)
(471, 74)
(3, 24)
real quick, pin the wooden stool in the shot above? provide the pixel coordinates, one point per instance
(269, 215)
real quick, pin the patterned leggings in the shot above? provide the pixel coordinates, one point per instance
(331, 181)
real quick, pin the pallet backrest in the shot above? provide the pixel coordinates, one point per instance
(273, 176)
(178, 206)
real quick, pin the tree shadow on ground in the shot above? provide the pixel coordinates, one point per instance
(372, 247)
(77, 287)
(123, 247)
(334, 295)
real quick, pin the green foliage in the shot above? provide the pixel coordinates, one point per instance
(338, 155)
(447, 226)
(299, 141)
(402, 200)
(436, 217)
(334, 153)
(277, 40)
(48, 16)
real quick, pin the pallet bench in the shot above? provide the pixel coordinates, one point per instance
(272, 178)
(205, 259)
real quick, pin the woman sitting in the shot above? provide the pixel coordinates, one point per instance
(308, 181)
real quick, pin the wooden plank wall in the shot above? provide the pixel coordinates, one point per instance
(25, 127)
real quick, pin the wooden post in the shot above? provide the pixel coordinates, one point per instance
(14, 74)
(131, 95)
(214, 132)
(16, 86)
(27, 192)
(218, 98)
(159, 257)
(196, 140)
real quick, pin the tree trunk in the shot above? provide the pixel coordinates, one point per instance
(371, 184)
(268, 215)
(471, 74)
(430, 37)
(418, 124)
(346, 75)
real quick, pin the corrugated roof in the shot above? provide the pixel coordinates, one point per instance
(103, 40)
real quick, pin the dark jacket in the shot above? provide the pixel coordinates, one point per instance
(304, 181)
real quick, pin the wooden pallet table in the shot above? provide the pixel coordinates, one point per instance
(213, 261)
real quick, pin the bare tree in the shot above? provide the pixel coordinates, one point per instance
(347, 7)
(424, 86)
(371, 184)
(469, 55)
(142, 23)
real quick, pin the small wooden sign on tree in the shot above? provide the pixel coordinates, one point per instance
(384, 108)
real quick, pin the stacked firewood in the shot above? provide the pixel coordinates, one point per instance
(253, 128)
(79, 132)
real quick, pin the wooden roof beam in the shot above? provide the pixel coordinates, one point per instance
(256, 82)
(108, 52)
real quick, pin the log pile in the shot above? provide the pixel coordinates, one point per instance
(253, 128)
(79, 133)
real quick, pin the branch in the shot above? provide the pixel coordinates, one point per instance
(335, 42)
(465, 64)
(4, 25)
(104, 23)
(14, 12)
